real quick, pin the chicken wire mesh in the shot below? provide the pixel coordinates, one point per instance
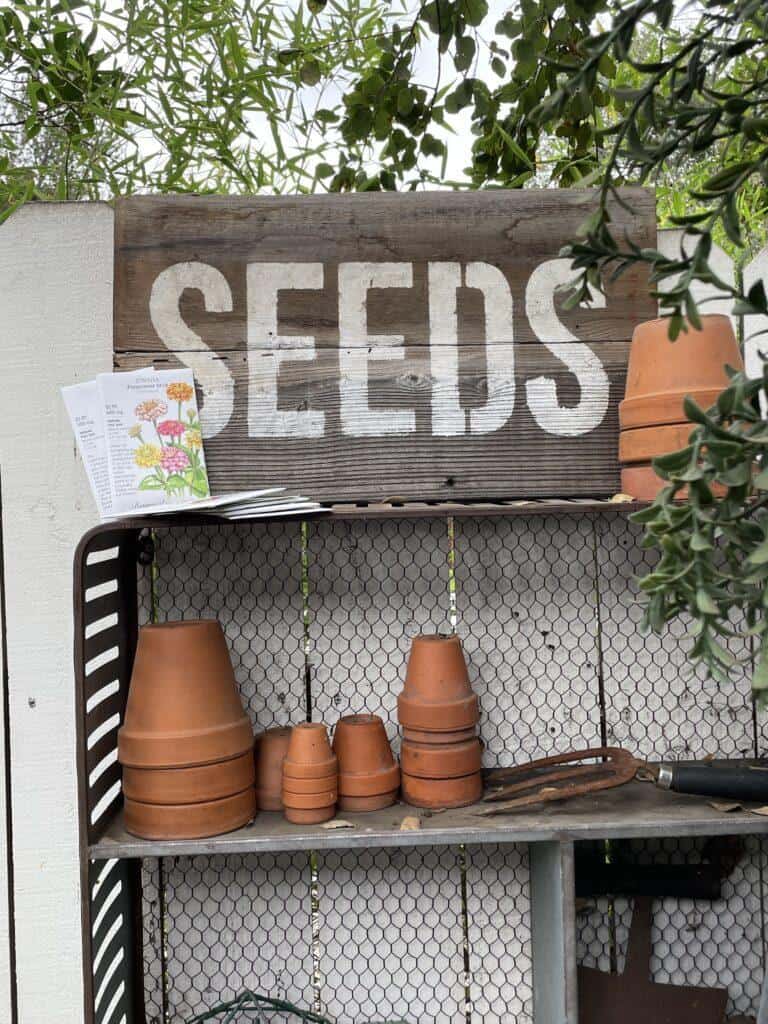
(319, 619)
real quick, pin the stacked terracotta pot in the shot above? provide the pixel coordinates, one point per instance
(369, 776)
(269, 751)
(440, 760)
(310, 775)
(659, 376)
(186, 744)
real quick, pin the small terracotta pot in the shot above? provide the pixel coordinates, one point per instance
(442, 792)
(641, 482)
(183, 705)
(656, 410)
(321, 784)
(436, 695)
(190, 821)
(367, 766)
(309, 801)
(299, 816)
(200, 784)
(309, 753)
(448, 761)
(421, 736)
(367, 803)
(647, 443)
(269, 752)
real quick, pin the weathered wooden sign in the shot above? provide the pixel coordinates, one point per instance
(385, 346)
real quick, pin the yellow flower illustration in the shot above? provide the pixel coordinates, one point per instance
(178, 391)
(193, 439)
(147, 456)
(135, 430)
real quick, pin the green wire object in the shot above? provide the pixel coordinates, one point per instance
(251, 1006)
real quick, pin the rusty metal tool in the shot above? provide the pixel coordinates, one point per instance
(558, 778)
(562, 776)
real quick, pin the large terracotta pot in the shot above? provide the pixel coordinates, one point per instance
(269, 751)
(648, 443)
(183, 705)
(434, 793)
(662, 372)
(199, 784)
(190, 821)
(437, 696)
(448, 761)
(367, 767)
(309, 753)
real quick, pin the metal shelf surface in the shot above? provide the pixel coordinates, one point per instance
(631, 811)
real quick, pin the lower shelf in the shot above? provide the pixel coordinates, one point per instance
(631, 811)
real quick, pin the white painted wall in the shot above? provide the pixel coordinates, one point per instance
(55, 329)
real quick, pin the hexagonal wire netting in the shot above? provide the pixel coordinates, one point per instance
(319, 618)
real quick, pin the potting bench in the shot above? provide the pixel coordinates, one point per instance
(465, 918)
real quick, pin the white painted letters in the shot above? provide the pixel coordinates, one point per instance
(566, 421)
(210, 371)
(499, 348)
(267, 350)
(356, 347)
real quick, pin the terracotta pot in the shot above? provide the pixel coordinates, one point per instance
(299, 816)
(447, 761)
(269, 752)
(641, 482)
(183, 705)
(190, 821)
(367, 766)
(196, 785)
(694, 362)
(435, 793)
(655, 410)
(360, 804)
(420, 736)
(437, 696)
(310, 801)
(647, 443)
(321, 784)
(309, 753)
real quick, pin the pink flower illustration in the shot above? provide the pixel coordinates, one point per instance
(151, 410)
(171, 428)
(174, 460)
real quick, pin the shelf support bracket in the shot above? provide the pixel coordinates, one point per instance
(553, 933)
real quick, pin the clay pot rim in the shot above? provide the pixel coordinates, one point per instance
(381, 800)
(702, 317)
(179, 623)
(640, 444)
(466, 754)
(360, 718)
(211, 730)
(473, 788)
(194, 778)
(308, 816)
(370, 784)
(154, 753)
(309, 801)
(322, 785)
(246, 814)
(310, 769)
(429, 716)
(451, 735)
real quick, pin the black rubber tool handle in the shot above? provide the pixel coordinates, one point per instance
(733, 781)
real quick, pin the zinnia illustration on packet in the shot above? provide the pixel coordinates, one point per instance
(176, 461)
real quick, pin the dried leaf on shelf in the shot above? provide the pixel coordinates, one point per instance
(338, 823)
(410, 824)
(725, 806)
(759, 810)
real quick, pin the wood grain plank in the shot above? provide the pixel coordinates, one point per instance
(517, 460)
(513, 230)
